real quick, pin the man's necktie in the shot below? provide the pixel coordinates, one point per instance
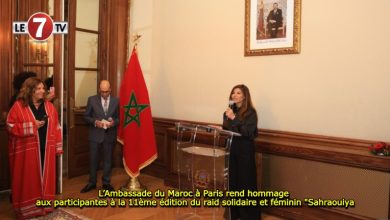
(105, 106)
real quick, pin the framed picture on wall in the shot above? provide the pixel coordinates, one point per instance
(272, 27)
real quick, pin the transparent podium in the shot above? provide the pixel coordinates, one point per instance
(202, 155)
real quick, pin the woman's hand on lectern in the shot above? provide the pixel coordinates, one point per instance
(215, 126)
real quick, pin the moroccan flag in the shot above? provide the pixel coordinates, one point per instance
(135, 131)
(260, 25)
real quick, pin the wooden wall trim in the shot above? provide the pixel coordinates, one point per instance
(346, 153)
(311, 213)
(7, 59)
(333, 150)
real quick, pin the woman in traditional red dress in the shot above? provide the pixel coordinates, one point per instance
(34, 141)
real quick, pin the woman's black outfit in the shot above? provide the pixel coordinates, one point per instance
(242, 166)
(40, 114)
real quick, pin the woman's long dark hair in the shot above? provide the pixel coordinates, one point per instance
(247, 102)
(28, 88)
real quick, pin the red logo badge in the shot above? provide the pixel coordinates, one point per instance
(40, 26)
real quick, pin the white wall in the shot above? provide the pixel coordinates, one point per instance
(192, 51)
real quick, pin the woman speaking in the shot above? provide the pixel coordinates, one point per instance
(241, 117)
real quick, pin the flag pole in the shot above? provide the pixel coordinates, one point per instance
(133, 183)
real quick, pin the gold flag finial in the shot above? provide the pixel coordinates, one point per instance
(136, 38)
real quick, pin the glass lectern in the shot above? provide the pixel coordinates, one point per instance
(203, 164)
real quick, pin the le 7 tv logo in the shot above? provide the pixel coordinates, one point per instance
(40, 27)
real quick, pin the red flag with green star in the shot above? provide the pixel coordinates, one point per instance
(135, 131)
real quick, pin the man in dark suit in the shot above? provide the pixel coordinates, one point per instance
(275, 20)
(102, 115)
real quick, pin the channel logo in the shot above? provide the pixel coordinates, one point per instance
(40, 27)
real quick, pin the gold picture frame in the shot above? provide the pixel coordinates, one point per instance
(272, 27)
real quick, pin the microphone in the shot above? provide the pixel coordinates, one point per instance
(109, 120)
(231, 104)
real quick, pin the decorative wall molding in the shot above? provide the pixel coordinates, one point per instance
(333, 150)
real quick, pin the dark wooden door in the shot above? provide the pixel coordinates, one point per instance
(19, 53)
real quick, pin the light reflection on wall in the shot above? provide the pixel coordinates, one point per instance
(39, 51)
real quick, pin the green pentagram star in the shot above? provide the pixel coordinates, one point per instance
(133, 105)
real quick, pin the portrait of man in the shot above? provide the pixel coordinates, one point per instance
(271, 19)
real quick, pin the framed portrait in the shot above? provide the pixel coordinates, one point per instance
(272, 27)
